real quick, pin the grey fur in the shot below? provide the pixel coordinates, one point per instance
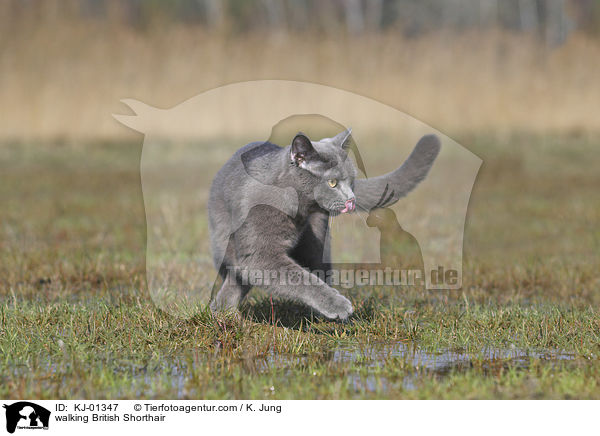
(269, 209)
(387, 189)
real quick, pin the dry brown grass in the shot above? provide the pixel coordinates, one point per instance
(64, 78)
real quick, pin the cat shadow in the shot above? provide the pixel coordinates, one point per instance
(297, 316)
(289, 314)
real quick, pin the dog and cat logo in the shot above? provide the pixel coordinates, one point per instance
(185, 145)
(26, 415)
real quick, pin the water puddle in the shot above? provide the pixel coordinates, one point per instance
(360, 364)
(422, 363)
(375, 353)
(366, 359)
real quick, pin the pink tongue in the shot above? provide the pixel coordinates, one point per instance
(349, 206)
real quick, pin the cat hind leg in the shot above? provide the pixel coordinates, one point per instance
(230, 295)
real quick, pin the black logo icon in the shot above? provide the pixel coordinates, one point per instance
(26, 415)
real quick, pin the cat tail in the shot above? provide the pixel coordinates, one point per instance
(385, 190)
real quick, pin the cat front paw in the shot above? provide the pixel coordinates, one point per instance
(338, 307)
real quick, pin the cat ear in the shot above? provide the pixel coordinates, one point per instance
(302, 150)
(343, 139)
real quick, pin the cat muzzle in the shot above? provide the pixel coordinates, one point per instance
(350, 205)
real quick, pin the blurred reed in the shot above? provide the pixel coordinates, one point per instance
(62, 74)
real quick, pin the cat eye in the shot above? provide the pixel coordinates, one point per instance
(332, 182)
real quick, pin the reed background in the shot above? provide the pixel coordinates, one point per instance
(460, 66)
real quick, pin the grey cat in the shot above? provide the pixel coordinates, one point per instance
(269, 210)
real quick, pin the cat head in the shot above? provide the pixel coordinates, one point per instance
(326, 170)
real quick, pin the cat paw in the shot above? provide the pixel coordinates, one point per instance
(338, 308)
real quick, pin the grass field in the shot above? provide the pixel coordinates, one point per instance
(76, 320)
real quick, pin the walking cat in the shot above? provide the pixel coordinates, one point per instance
(269, 209)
